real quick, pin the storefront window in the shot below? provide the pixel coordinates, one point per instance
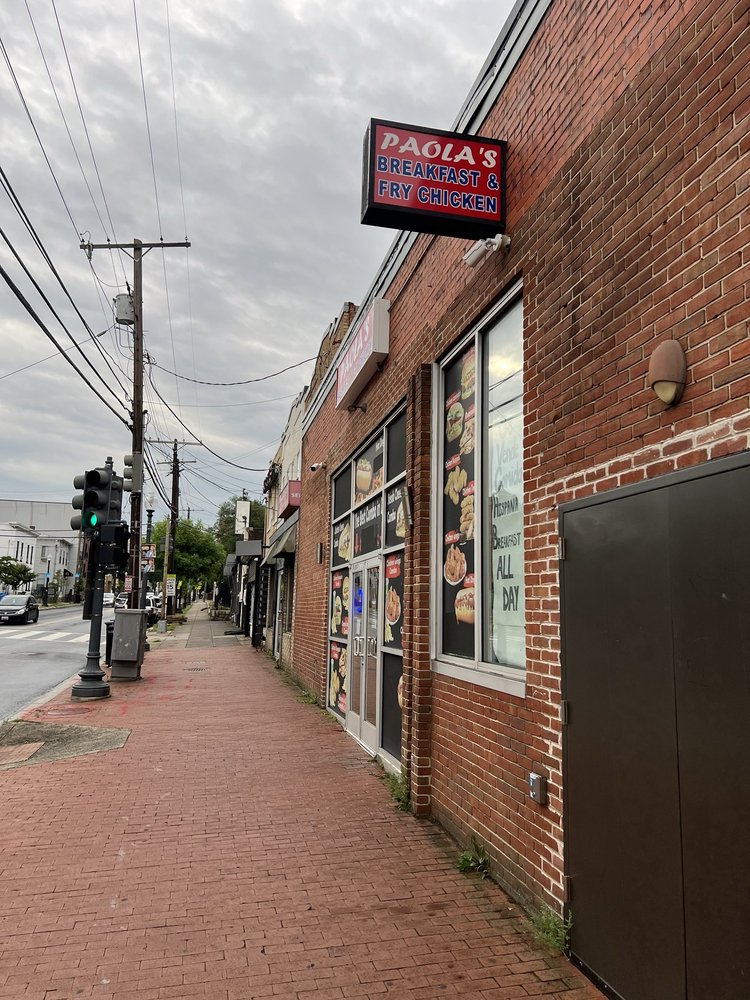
(397, 447)
(368, 534)
(504, 635)
(342, 492)
(458, 555)
(341, 551)
(368, 471)
(489, 401)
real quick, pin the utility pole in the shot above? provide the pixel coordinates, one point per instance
(174, 514)
(135, 496)
(137, 246)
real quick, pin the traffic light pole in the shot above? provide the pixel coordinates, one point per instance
(92, 683)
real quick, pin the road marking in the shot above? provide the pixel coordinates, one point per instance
(51, 636)
(21, 635)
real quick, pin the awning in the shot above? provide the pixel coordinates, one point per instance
(248, 551)
(285, 542)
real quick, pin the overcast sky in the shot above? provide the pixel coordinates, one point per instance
(257, 110)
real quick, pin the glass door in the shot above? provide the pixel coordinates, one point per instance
(362, 703)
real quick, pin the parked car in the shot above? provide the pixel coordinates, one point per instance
(121, 601)
(19, 609)
(153, 601)
(109, 600)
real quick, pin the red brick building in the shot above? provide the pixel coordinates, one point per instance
(521, 576)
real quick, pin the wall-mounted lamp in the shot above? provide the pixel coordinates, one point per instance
(317, 465)
(667, 371)
(482, 247)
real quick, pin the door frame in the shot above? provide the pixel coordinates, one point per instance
(363, 729)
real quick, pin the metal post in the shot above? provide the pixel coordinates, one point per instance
(92, 683)
(173, 521)
(162, 626)
(135, 496)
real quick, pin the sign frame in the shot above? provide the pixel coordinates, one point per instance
(377, 212)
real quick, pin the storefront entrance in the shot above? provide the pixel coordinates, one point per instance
(656, 630)
(362, 710)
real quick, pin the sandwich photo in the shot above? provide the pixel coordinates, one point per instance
(464, 606)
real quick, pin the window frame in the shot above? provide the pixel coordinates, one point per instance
(498, 677)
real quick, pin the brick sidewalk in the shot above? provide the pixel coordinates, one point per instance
(239, 845)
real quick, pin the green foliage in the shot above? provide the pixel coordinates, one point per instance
(550, 929)
(307, 697)
(474, 861)
(15, 574)
(199, 558)
(398, 786)
(224, 526)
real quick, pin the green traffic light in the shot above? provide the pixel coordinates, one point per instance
(90, 519)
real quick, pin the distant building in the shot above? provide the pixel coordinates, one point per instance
(56, 545)
(20, 544)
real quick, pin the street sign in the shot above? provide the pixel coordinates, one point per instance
(171, 584)
(128, 584)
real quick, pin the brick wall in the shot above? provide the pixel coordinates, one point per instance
(628, 207)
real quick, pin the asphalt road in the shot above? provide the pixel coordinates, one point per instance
(34, 659)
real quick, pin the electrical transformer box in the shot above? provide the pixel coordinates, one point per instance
(124, 312)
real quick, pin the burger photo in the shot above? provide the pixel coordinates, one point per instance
(454, 422)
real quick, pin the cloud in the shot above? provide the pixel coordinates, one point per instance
(272, 102)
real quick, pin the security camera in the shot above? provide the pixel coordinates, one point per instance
(317, 465)
(482, 247)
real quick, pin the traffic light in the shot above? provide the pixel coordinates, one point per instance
(76, 521)
(114, 507)
(132, 472)
(93, 502)
(114, 549)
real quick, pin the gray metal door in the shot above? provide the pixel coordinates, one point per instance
(656, 637)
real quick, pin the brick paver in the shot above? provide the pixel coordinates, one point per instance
(238, 846)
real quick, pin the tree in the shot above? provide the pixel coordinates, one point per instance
(199, 558)
(224, 526)
(15, 574)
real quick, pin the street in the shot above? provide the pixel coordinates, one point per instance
(35, 658)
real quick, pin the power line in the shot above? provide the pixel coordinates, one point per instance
(182, 423)
(27, 306)
(182, 192)
(246, 381)
(65, 120)
(23, 214)
(48, 358)
(148, 124)
(57, 315)
(85, 129)
(36, 133)
(218, 406)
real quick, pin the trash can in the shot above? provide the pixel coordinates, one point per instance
(110, 626)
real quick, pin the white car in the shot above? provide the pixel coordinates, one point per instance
(109, 600)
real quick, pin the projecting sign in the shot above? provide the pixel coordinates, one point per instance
(289, 498)
(367, 348)
(430, 181)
